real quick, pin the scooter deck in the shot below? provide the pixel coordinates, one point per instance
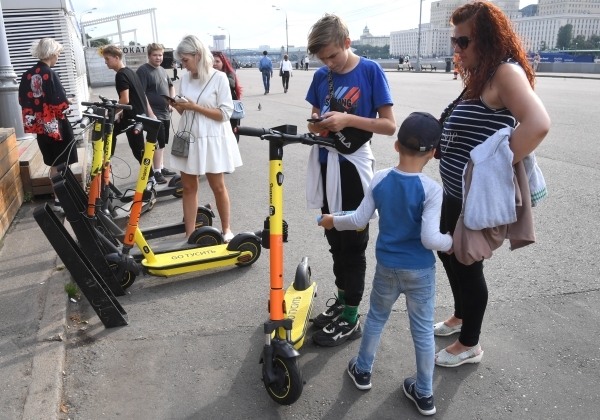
(299, 305)
(186, 261)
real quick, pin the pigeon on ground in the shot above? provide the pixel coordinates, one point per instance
(259, 107)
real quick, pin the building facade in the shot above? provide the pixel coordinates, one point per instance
(435, 35)
(542, 30)
(375, 41)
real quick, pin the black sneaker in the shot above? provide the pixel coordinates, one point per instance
(424, 404)
(338, 332)
(159, 178)
(362, 380)
(332, 313)
(167, 172)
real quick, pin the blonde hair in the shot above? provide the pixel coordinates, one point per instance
(112, 50)
(46, 48)
(154, 47)
(190, 44)
(330, 29)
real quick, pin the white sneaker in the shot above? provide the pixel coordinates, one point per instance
(152, 182)
(57, 207)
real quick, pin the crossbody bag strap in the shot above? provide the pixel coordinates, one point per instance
(330, 84)
(203, 89)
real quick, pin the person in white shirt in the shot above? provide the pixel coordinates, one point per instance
(286, 72)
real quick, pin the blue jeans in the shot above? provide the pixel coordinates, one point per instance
(266, 79)
(419, 288)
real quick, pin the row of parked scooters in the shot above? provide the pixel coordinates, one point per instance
(110, 251)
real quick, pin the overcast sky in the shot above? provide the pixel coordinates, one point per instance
(251, 23)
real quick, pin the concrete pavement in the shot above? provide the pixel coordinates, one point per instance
(192, 345)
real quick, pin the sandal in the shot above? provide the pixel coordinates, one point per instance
(445, 359)
(227, 237)
(442, 330)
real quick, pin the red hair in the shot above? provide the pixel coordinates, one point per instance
(495, 40)
(228, 69)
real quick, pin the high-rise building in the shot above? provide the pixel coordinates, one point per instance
(219, 42)
(536, 28)
(375, 41)
(541, 30)
(435, 35)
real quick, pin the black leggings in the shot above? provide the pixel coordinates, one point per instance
(285, 79)
(348, 247)
(467, 281)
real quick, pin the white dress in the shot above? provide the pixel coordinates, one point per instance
(213, 147)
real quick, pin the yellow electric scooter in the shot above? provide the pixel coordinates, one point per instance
(289, 314)
(204, 249)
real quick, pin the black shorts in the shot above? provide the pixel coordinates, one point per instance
(163, 134)
(56, 152)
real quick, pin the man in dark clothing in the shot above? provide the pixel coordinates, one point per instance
(131, 93)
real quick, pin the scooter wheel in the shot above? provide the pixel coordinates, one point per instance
(178, 188)
(288, 386)
(205, 237)
(251, 245)
(203, 218)
(128, 277)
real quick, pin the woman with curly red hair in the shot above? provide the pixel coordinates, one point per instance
(498, 93)
(221, 63)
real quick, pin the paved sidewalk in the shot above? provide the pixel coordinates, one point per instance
(192, 345)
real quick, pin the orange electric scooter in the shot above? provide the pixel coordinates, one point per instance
(289, 313)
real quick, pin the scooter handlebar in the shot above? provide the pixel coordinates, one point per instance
(251, 131)
(108, 104)
(272, 134)
(84, 122)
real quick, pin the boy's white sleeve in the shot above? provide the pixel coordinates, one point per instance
(360, 218)
(431, 237)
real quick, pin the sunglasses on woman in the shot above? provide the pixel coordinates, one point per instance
(461, 41)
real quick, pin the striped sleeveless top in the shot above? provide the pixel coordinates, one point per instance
(470, 124)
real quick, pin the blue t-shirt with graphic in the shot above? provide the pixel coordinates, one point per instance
(360, 91)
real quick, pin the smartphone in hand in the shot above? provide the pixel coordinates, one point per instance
(315, 120)
(177, 98)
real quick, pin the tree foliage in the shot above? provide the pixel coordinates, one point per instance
(580, 43)
(371, 51)
(565, 34)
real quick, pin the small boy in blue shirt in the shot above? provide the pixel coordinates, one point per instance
(409, 205)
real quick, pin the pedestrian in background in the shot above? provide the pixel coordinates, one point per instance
(265, 66)
(174, 66)
(221, 63)
(306, 61)
(456, 61)
(499, 93)
(536, 61)
(286, 69)
(43, 101)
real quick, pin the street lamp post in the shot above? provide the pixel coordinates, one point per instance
(286, 29)
(85, 12)
(418, 68)
(229, 40)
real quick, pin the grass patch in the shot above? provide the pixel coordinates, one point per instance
(27, 197)
(71, 289)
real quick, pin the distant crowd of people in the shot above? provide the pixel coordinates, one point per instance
(417, 216)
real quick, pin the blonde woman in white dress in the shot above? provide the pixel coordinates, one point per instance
(213, 147)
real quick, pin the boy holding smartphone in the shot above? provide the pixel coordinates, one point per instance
(352, 96)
